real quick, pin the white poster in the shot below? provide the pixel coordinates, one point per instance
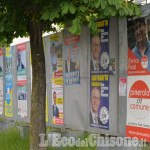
(138, 106)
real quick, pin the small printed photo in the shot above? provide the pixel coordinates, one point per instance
(21, 59)
(112, 66)
(22, 95)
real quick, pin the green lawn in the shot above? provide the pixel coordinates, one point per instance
(11, 140)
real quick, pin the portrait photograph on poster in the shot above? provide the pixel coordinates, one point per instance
(1, 62)
(56, 55)
(138, 85)
(72, 60)
(99, 77)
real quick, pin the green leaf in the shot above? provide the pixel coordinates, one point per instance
(112, 11)
(130, 12)
(54, 14)
(111, 2)
(94, 26)
(107, 11)
(79, 29)
(103, 4)
(73, 29)
(72, 8)
(118, 4)
(121, 12)
(82, 8)
(76, 26)
(85, 1)
(97, 3)
(1, 28)
(45, 15)
(76, 21)
(137, 11)
(65, 8)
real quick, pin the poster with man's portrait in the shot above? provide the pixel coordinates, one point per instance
(99, 49)
(56, 56)
(21, 59)
(72, 60)
(138, 85)
(99, 77)
(1, 62)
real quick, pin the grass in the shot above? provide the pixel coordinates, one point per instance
(147, 146)
(2, 119)
(11, 140)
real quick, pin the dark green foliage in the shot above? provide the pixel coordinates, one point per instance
(15, 15)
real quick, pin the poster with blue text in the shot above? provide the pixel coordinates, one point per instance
(8, 82)
(99, 77)
(72, 60)
(1, 81)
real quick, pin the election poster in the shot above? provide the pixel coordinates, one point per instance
(138, 85)
(21, 80)
(1, 95)
(1, 81)
(1, 62)
(72, 60)
(112, 66)
(46, 109)
(56, 55)
(8, 82)
(22, 100)
(99, 77)
(122, 86)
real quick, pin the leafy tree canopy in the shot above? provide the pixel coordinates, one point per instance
(32, 17)
(15, 15)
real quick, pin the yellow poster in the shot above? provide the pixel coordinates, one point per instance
(56, 56)
(46, 110)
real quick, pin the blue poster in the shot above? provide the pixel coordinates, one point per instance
(8, 82)
(99, 77)
(72, 60)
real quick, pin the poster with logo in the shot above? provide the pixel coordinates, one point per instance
(1, 81)
(138, 85)
(56, 55)
(8, 82)
(21, 80)
(99, 77)
(72, 60)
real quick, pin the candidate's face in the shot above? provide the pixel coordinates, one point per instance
(68, 53)
(53, 49)
(19, 56)
(95, 100)
(54, 98)
(96, 46)
(140, 31)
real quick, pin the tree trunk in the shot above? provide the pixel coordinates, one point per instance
(37, 120)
